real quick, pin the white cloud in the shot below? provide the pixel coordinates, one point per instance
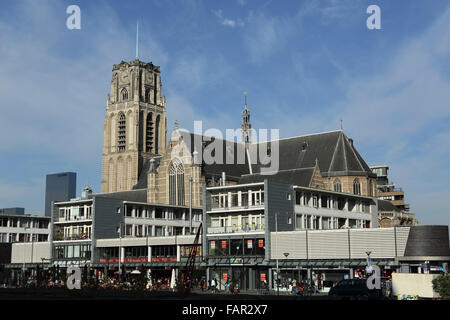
(228, 22)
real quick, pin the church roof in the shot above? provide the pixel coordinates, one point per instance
(233, 160)
(334, 152)
(300, 177)
(128, 195)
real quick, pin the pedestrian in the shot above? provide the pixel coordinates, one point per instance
(266, 286)
(213, 285)
(294, 286)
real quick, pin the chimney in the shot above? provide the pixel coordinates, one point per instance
(351, 141)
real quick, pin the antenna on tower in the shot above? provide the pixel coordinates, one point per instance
(137, 40)
(341, 124)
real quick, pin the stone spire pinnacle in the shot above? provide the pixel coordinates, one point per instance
(246, 126)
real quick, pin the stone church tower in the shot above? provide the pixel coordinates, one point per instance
(135, 124)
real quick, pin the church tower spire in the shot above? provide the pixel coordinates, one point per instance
(135, 123)
(246, 126)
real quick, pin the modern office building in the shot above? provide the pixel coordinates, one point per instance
(15, 211)
(92, 230)
(24, 228)
(59, 187)
(240, 219)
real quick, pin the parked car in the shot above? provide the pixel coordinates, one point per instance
(356, 288)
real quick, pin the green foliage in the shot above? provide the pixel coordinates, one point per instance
(441, 285)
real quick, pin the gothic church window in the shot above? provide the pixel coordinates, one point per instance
(356, 186)
(124, 94)
(337, 185)
(176, 182)
(121, 133)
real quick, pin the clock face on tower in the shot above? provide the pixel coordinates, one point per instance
(124, 77)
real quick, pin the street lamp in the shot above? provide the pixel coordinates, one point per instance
(190, 205)
(286, 254)
(119, 231)
(24, 247)
(276, 246)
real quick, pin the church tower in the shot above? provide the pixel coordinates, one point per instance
(246, 126)
(135, 124)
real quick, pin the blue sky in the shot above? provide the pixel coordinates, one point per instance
(304, 64)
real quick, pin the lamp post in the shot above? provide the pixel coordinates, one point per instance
(286, 254)
(276, 246)
(120, 249)
(190, 205)
(24, 247)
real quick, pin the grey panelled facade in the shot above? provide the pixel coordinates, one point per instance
(385, 243)
(279, 208)
(109, 214)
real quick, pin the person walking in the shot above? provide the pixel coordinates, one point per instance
(294, 286)
(202, 284)
(213, 285)
(266, 286)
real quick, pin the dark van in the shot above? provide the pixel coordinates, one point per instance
(356, 288)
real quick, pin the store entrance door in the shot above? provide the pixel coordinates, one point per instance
(240, 278)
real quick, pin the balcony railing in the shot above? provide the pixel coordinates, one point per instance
(79, 236)
(248, 228)
(72, 219)
(236, 207)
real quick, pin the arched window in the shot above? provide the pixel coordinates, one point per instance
(356, 186)
(157, 134)
(176, 182)
(149, 135)
(124, 94)
(337, 185)
(121, 136)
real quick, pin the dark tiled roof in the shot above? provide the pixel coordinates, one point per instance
(130, 195)
(300, 177)
(334, 152)
(232, 152)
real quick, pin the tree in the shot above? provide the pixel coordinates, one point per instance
(441, 285)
